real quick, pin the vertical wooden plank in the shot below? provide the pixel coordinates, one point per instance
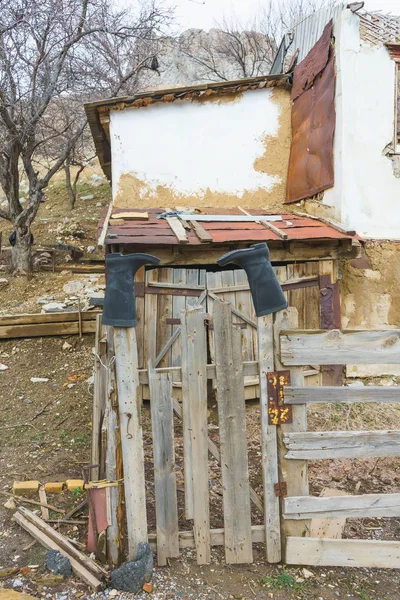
(178, 305)
(98, 400)
(140, 312)
(330, 317)
(194, 395)
(164, 311)
(269, 449)
(150, 326)
(233, 439)
(293, 472)
(162, 421)
(126, 362)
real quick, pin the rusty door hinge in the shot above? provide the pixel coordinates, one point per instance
(278, 411)
(280, 488)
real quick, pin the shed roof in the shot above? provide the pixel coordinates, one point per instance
(157, 232)
(98, 112)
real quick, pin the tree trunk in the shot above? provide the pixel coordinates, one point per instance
(68, 184)
(21, 254)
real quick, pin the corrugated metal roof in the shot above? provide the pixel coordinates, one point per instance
(157, 232)
(307, 32)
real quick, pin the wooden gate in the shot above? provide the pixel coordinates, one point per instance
(297, 446)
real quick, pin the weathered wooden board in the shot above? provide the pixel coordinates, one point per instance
(186, 538)
(342, 553)
(233, 439)
(164, 462)
(126, 362)
(315, 395)
(323, 527)
(41, 318)
(339, 347)
(45, 329)
(364, 505)
(341, 444)
(194, 388)
(269, 443)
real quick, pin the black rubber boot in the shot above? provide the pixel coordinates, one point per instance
(266, 292)
(119, 301)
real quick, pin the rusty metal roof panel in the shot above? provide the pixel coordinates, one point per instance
(157, 232)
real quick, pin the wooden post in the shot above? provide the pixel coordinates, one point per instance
(162, 419)
(269, 447)
(126, 361)
(98, 401)
(233, 439)
(293, 472)
(194, 395)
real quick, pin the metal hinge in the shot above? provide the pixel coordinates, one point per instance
(278, 411)
(280, 488)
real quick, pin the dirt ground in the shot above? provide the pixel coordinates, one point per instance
(45, 433)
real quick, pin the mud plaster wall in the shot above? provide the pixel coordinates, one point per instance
(370, 296)
(224, 152)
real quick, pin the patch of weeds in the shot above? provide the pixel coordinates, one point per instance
(363, 594)
(81, 440)
(64, 434)
(77, 493)
(38, 436)
(283, 581)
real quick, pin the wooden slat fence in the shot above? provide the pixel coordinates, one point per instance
(337, 347)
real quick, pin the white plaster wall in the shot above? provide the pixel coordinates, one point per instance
(191, 146)
(366, 194)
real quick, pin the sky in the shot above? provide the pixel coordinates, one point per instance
(205, 14)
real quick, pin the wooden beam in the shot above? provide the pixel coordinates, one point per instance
(201, 233)
(316, 395)
(42, 318)
(126, 362)
(186, 538)
(342, 553)
(177, 229)
(46, 329)
(79, 570)
(328, 221)
(364, 505)
(340, 347)
(233, 438)
(266, 224)
(341, 444)
(103, 234)
(228, 218)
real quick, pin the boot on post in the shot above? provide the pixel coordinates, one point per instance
(266, 292)
(119, 301)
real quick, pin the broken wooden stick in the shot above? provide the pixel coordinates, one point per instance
(27, 501)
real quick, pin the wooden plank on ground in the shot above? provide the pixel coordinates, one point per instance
(41, 318)
(162, 419)
(126, 362)
(294, 473)
(45, 329)
(194, 394)
(316, 395)
(80, 571)
(364, 505)
(233, 439)
(342, 553)
(269, 444)
(340, 347)
(328, 527)
(341, 444)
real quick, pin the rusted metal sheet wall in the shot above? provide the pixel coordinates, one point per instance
(313, 122)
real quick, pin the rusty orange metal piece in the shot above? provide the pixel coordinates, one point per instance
(279, 413)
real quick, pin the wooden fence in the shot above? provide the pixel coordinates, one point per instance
(299, 348)
(284, 354)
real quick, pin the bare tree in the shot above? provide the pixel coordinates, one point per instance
(47, 54)
(234, 50)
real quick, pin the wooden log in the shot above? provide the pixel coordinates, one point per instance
(194, 388)
(80, 571)
(341, 444)
(344, 347)
(162, 419)
(342, 553)
(61, 541)
(126, 362)
(269, 447)
(365, 505)
(233, 438)
(316, 395)
(295, 474)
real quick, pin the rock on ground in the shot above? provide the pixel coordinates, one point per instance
(58, 563)
(134, 574)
